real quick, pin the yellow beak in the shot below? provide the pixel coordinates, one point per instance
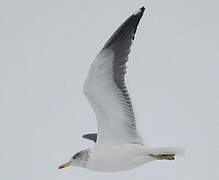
(64, 165)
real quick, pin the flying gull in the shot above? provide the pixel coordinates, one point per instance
(118, 146)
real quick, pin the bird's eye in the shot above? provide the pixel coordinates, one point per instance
(76, 156)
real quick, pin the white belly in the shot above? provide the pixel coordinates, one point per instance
(117, 157)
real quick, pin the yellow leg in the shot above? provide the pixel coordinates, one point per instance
(163, 156)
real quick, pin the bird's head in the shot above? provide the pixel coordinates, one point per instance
(79, 159)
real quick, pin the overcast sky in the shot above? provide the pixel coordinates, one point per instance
(46, 47)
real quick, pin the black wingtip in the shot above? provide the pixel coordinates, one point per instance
(142, 9)
(127, 28)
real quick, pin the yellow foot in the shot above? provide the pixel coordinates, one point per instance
(163, 156)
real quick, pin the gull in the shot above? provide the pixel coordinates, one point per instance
(118, 145)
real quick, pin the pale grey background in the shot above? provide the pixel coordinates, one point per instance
(46, 47)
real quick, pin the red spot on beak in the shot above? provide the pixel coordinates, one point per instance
(60, 167)
(64, 165)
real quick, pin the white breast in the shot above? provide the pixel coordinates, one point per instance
(117, 157)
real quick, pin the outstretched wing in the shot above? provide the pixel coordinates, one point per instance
(106, 90)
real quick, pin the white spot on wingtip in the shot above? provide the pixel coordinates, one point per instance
(139, 11)
(136, 12)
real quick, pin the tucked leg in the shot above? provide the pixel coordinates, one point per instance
(163, 156)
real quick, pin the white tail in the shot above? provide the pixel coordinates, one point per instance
(178, 151)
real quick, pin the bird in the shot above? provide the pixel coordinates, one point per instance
(118, 145)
